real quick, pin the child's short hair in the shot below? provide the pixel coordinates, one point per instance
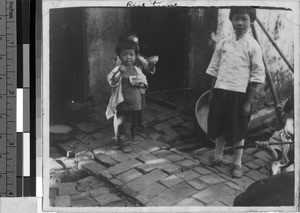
(243, 10)
(126, 45)
(126, 35)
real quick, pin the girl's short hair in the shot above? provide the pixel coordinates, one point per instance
(126, 45)
(243, 10)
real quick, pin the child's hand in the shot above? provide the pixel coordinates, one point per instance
(122, 68)
(262, 145)
(246, 109)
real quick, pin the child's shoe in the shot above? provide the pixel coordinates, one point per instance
(212, 161)
(237, 171)
(126, 149)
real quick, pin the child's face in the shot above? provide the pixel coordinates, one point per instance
(241, 23)
(127, 57)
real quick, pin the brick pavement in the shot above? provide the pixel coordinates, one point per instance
(155, 173)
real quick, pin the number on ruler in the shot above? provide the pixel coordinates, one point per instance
(11, 92)
(11, 143)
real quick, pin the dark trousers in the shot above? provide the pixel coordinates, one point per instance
(125, 126)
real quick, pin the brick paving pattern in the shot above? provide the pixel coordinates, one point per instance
(158, 172)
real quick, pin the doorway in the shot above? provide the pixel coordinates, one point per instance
(68, 81)
(163, 32)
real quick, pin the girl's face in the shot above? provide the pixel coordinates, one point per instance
(127, 57)
(241, 23)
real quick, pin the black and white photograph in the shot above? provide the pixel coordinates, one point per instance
(169, 106)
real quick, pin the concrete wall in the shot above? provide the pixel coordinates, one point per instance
(104, 26)
(200, 48)
(280, 25)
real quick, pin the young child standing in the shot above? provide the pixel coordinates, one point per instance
(147, 66)
(127, 81)
(238, 71)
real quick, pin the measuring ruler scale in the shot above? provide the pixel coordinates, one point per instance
(8, 85)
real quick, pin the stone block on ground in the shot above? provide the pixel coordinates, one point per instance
(174, 157)
(202, 170)
(264, 171)
(139, 150)
(227, 170)
(261, 155)
(161, 126)
(251, 165)
(170, 169)
(99, 191)
(228, 200)
(83, 187)
(80, 195)
(170, 181)
(214, 193)
(63, 201)
(215, 203)
(144, 181)
(197, 183)
(105, 160)
(60, 185)
(148, 146)
(255, 175)
(188, 124)
(243, 181)
(118, 184)
(86, 179)
(260, 162)
(170, 132)
(123, 167)
(148, 158)
(190, 202)
(173, 195)
(186, 164)
(95, 183)
(185, 132)
(211, 179)
(154, 164)
(154, 135)
(166, 139)
(234, 185)
(187, 175)
(92, 167)
(84, 202)
(187, 146)
(162, 153)
(176, 120)
(107, 198)
(160, 144)
(128, 176)
(149, 192)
